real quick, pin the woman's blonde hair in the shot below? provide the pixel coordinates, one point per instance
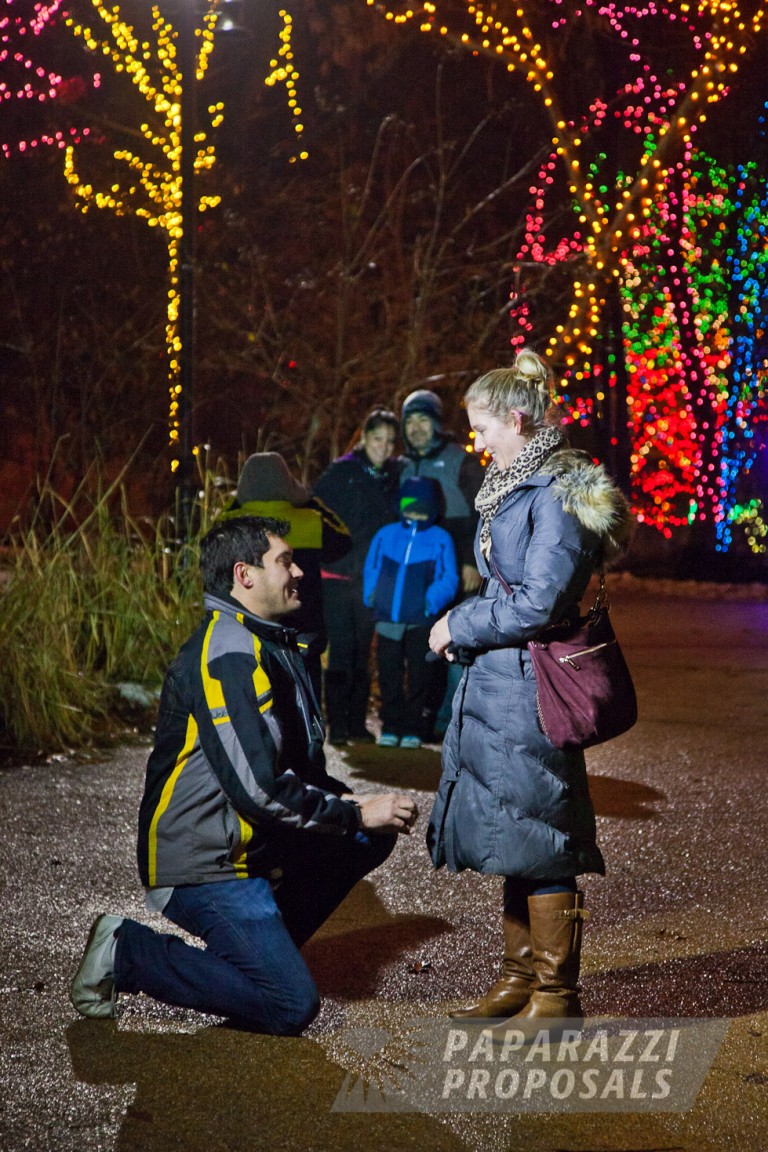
(524, 388)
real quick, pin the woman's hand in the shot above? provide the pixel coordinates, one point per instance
(440, 637)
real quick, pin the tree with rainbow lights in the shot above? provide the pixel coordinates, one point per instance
(647, 343)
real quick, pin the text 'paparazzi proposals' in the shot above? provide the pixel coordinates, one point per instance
(603, 1066)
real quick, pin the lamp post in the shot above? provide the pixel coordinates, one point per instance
(186, 319)
(228, 27)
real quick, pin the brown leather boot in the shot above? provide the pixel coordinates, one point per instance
(511, 991)
(556, 929)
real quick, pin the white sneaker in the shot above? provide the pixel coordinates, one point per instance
(92, 991)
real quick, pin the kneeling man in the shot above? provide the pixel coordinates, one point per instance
(244, 841)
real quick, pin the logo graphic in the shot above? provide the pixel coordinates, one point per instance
(604, 1065)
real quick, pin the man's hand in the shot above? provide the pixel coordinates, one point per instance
(470, 578)
(386, 812)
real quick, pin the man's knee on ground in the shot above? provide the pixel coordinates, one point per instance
(291, 1013)
(281, 1008)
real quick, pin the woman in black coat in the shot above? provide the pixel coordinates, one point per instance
(362, 489)
(509, 802)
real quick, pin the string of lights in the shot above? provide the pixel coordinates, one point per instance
(654, 220)
(151, 187)
(35, 83)
(746, 262)
(283, 71)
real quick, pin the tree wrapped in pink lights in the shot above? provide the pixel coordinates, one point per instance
(27, 80)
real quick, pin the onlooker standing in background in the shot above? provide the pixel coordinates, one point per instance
(410, 576)
(317, 536)
(432, 452)
(362, 488)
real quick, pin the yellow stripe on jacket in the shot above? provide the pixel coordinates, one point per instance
(190, 740)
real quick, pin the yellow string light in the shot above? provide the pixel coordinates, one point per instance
(154, 192)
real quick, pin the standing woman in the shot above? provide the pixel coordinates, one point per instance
(362, 489)
(509, 802)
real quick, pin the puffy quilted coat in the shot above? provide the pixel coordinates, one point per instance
(509, 802)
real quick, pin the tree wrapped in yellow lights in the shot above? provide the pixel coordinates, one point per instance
(150, 185)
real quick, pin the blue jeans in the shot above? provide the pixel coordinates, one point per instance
(251, 970)
(517, 890)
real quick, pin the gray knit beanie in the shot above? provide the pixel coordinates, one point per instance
(424, 401)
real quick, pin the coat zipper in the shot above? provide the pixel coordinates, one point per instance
(397, 596)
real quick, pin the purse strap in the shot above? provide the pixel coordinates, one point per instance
(499, 576)
(601, 599)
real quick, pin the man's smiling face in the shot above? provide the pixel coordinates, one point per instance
(419, 431)
(271, 591)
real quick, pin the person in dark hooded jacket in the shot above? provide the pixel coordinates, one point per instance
(510, 803)
(361, 487)
(431, 451)
(409, 577)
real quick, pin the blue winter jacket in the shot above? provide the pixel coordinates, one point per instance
(410, 573)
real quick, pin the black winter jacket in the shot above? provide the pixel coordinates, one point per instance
(238, 764)
(365, 498)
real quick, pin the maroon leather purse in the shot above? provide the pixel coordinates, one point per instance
(584, 689)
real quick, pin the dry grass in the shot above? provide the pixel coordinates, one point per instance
(90, 598)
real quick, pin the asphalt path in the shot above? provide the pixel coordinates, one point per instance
(678, 931)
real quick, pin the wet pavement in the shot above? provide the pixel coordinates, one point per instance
(679, 929)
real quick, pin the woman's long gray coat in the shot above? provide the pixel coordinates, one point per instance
(509, 802)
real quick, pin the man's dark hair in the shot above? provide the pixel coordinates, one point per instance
(244, 538)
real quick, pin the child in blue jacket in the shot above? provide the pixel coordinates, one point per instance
(409, 577)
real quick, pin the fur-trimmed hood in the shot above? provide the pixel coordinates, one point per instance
(586, 491)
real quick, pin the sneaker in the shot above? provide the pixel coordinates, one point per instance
(410, 742)
(93, 989)
(387, 740)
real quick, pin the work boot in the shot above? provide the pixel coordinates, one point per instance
(512, 990)
(556, 929)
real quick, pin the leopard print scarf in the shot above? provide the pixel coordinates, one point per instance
(498, 484)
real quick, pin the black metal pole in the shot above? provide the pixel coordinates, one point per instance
(186, 320)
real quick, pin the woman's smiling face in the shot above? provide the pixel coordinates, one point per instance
(379, 444)
(502, 440)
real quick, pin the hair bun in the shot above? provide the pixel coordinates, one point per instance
(531, 368)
